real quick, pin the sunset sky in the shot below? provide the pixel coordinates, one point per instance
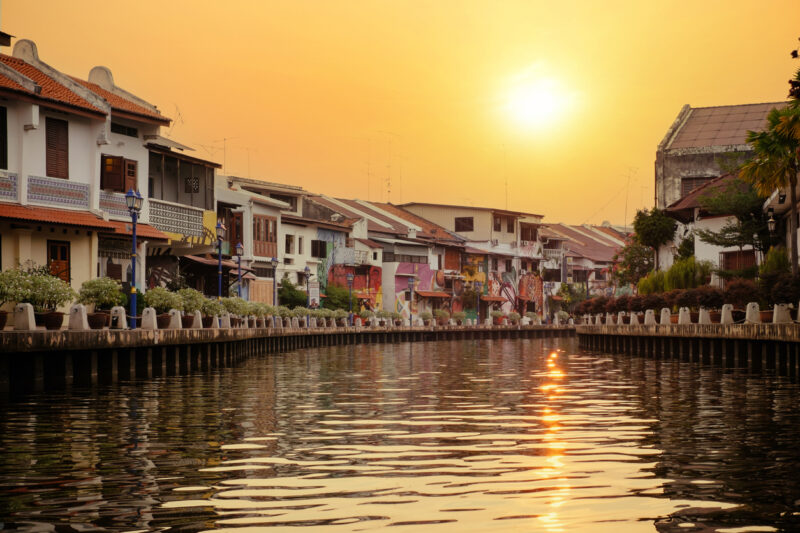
(434, 101)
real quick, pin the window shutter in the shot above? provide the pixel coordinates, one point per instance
(111, 174)
(130, 175)
(57, 148)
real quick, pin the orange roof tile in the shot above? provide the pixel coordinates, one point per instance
(51, 89)
(121, 104)
(434, 294)
(721, 125)
(62, 217)
(144, 231)
(8, 83)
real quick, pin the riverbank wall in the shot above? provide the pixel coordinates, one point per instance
(755, 348)
(35, 360)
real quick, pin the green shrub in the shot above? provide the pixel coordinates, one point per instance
(235, 305)
(211, 307)
(740, 292)
(497, 314)
(425, 315)
(709, 297)
(459, 315)
(786, 290)
(48, 292)
(366, 313)
(300, 311)
(192, 300)
(290, 296)
(15, 286)
(441, 314)
(162, 300)
(514, 316)
(104, 293)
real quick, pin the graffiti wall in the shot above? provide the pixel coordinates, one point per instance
(336, 252)
(366, 282)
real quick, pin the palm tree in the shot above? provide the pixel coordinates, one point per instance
(774, 165)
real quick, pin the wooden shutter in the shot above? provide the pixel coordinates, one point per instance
(111, 174)
(58, 259)
(114, 271)
(130, 176)
(57, 148)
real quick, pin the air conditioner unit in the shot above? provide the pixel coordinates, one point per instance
(495, 242)
(526, 243)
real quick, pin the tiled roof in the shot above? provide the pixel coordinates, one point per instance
(369, 243)
(492, 209)
(683, 209)
(434, 294)
(721, 125)
(584, 243)
(8, 83)
(144, 231)
(429, 229)
(121, 104)
(61, 217)
(51, 89)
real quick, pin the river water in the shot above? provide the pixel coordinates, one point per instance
(504, 435)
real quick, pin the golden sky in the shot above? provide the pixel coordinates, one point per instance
(409, 101)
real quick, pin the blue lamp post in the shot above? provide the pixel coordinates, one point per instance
(307, 272)
(411, 301)
(134, 202)
(478, 300)
(239, 252)
(220, 237)
(350, 288)
(274, 263)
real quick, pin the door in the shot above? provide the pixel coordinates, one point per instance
(237, 235)
(58, 259)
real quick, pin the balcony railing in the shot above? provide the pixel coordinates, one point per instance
(176, 218)
(553, 253)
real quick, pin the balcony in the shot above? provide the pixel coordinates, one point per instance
(186, 221)
(552, 253)
(360, 257)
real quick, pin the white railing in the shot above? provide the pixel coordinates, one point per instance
(176, 218)
(550, 253)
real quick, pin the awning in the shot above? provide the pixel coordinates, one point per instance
(557, 298)
(492, 299)
(362, 295)
(62, 217)
(434, 294)
(144, 231)
(214, 262)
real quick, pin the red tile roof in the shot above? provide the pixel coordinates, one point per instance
(8, 83)
(429, 229)
(683, 209)
(122, 104)
(51, 89)
(721, 125)
(371, 244)
(434, 294)
(61, 217)
(144, 231)
(585, 243)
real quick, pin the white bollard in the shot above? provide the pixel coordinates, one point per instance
(666, 316)
(197, 322)
(225, 321)
(781, 314)
(537, 320)
(556, 321)
(609, 319)
(620, 318)
(215, 322)
(684, 316)
(571, 322)
(487, 323)
(704, 317)
(149, 318)
(119, 320)
(650, 317)
(175, 319)
(752, 315)
(525, 321)
(24, 319)
(727, 314)
(598, 320)
(78, 320)
(358, 322)
(295, 322)
(634, 321)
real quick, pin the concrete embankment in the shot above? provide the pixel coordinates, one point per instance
(32, 360)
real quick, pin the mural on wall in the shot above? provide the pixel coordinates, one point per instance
(366, 282)
(335, 252)
(515, 288)
(427, 279)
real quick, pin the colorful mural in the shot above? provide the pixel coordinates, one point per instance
(367, 284)
(335, 252)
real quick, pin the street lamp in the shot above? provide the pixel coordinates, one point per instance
(350, 288)
(411, 301)
(134, 202)
(220, 237)
(274, 263)
(478, 300)
(239, 252)
(771, 223)
(307, 272)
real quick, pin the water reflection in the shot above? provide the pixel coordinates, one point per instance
(462, 436)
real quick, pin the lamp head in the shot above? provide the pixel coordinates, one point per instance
(137, 202)
(771, 224)
(220, 231)
(350, 278)
(274, 262)
(307, 270)
(130, 199)
(239, 249)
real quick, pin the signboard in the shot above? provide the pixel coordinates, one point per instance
(313, 294)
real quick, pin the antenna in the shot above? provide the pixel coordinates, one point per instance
(505, 173)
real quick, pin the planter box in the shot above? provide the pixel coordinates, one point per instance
(207, 321)
(98, 320)
(187, 321)
(766, 316)
(162, 321)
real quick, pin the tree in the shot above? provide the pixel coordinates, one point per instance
(633, 262)
(336, 297)
(290, 296)
(774, 165)
(654, 229)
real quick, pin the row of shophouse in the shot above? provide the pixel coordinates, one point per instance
(70, 148)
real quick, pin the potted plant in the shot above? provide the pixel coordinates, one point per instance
(192, 301)
(655, 302)
(563, 317)
(442, 316)
(340, 315)
(48, 293)
(102, 294)
(740, 292)
(397, 318)
(622, 304)
(366, 315)
(532, 315)
(383, 316)
(459, 317)
(237, 307)
(710, 298)
(210, 308)
(688, 298)
(15, 287)
(162, 301)
(514, 317)
(426, 317)
(497, 317)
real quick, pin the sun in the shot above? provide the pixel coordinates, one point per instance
(536, 102)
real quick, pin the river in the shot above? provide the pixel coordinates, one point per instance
(504, 435)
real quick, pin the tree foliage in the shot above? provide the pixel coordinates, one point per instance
(336, 297)
(653, 228)
(290, 296)
(633, 262)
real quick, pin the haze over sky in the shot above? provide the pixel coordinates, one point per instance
(434, 101)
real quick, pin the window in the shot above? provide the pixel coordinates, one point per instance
(465, 224)
(388, 257)
(124, 130)
(510, 225)
(527, 233)
(57, 148)
(191, 185)
(498, 223)
(291, 200)
(319, 249)
(551, 274)
(289, 247)
(117, 174)
(690, 184)
(599, 275)
(3, 138)
(494, 264)
(264, 238)
(509, 267)
(374, 256)
(439, 262)
(58, 259)
(300, 245)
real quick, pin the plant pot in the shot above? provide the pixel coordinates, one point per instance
(53, 320)
(694, 316)
(382, 323)
(98, 320)
(673, 319)
(398, 322)
(187, 321)
(715, 317)
(207, 321)
(626, 319)
(252, 322)
(426, 322)
(497, 321)
(514, 322)
(38, 318)
(458, 322)
(3, 319)
(441, 321)
(162, 320)
(766, 315)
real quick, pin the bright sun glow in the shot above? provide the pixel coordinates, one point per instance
(536, 102)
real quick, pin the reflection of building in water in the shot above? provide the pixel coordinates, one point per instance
(723, 437)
